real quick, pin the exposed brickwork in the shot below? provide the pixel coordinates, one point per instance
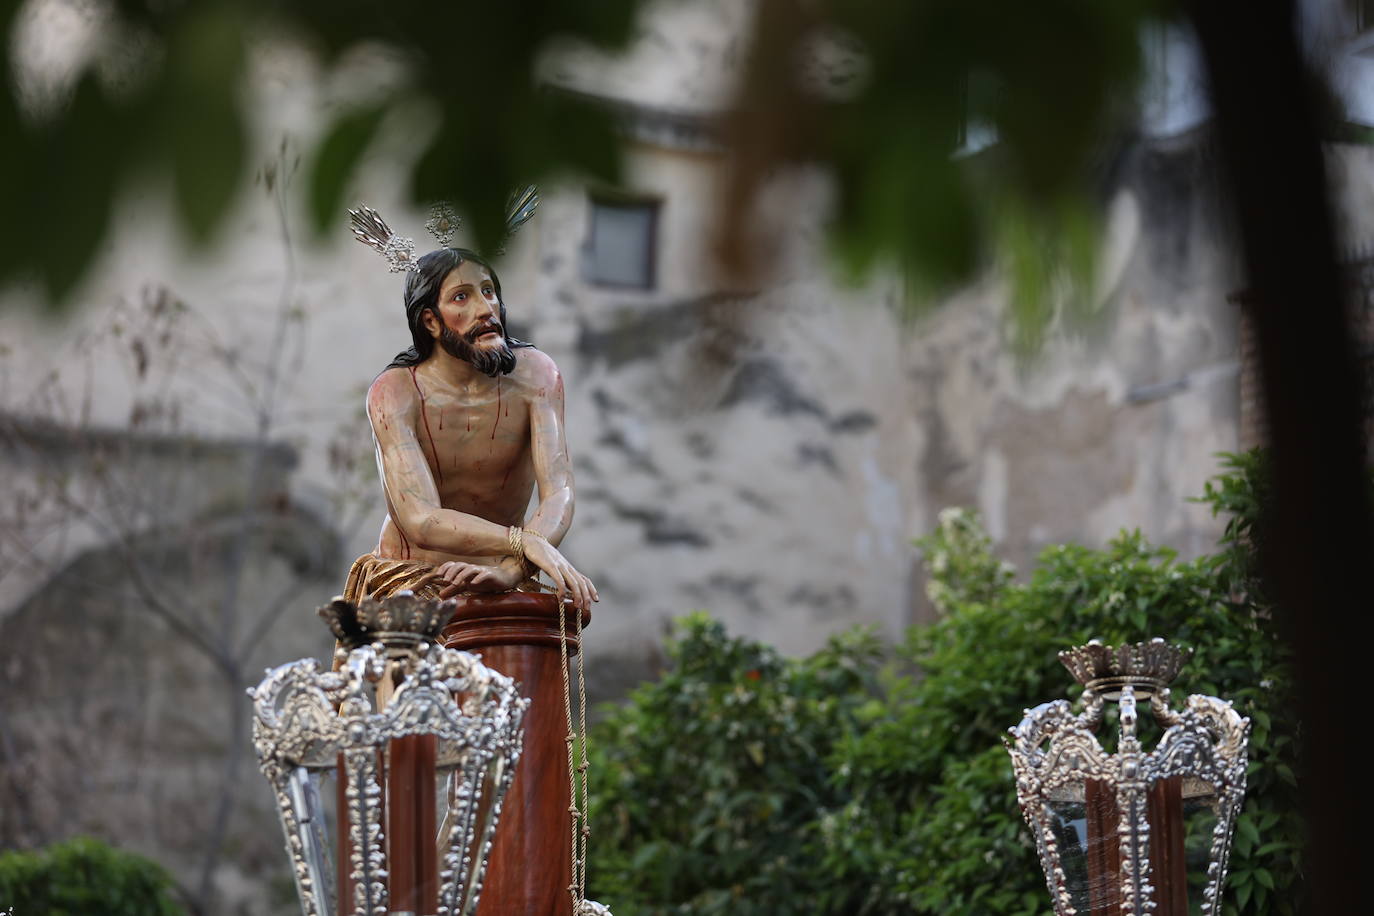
(1254, 428)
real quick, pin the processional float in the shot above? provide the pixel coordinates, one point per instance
(459, 781)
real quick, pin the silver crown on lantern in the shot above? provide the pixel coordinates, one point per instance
(1147, 666)
(402, 622)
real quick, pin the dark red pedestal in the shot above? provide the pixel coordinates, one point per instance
(530, 866)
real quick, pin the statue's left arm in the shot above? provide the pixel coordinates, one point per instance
(549, 448)
(553, 475)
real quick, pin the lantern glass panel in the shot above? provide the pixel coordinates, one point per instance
(1069, 822)
(1199, 824)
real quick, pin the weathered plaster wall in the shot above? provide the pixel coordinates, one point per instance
(769, 457)
(1113, 426)
(116, 728)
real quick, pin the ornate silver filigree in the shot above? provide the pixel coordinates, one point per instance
(402, 622)
(1147, 666)
(307, 720)
(1055, 753)
(520, 206)
(443, 222)
(370, 229)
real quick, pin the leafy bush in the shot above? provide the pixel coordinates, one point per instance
(743, 782)
(709, 781)
(83, 877)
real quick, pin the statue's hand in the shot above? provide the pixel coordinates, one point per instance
(476, 577)
(567, 582)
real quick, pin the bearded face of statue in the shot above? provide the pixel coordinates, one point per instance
(468, 320)
(491, 357)
(448, 298)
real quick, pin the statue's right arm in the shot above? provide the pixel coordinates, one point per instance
(393, 407)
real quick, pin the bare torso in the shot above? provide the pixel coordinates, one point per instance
(477, 443)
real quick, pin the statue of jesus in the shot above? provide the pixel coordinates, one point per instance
(467, 422)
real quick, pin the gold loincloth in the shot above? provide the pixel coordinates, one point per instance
(378, 577)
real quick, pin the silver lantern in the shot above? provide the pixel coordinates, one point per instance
(396, 689)
(1131, 832)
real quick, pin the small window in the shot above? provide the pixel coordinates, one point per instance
(621, 242)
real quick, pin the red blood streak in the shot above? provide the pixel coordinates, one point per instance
(497, 422)
(507, 477)
(405, 543)
(425, 416)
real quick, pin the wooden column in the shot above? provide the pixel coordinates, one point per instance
(406, 771)
(530, 866)
(1168, 858)
(411, 854)
(1104, 848)
(1168, 866)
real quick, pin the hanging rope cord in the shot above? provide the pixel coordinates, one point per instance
(577, 759)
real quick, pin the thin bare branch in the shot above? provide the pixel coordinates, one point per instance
(271, 613)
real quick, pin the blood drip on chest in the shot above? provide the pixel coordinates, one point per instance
(424, 415)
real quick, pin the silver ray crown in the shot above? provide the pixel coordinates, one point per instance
(369, 228)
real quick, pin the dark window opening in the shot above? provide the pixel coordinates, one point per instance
(622, 241)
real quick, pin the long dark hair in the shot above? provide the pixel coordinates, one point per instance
(422, 295)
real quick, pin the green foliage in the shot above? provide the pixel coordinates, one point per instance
(336, 158)
(925, 78)
(960, 563)
(1241, 492)
(84, 877)
(887, 794)
(164, 93)
(709, 781)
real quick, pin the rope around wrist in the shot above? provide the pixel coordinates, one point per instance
(515, 537)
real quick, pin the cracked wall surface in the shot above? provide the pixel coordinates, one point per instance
(770, 457)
